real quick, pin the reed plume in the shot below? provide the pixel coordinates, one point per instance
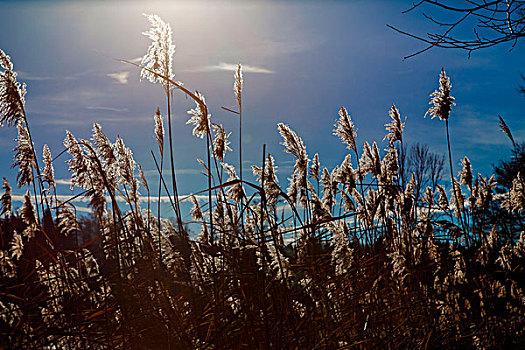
(48, 173)
(344, 128)
(441, 100)
(395, 127)
(504, 128)
(220, 142)
(12, 94)
(159, 57)
(199, 119)
(5, 200)
(24, 157)
(159, 130)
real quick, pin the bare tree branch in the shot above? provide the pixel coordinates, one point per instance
(495, 22)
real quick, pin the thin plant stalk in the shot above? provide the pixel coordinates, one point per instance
(158, 203)
(452, 175)
(240, 153)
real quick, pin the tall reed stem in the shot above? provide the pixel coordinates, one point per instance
(240, 160)
(172, 162)
(452, 177)
(158, 203)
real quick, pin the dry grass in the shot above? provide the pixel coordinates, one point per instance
(355, 260)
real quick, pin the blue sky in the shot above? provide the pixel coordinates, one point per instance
(306, 60)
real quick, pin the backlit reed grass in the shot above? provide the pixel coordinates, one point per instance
(349, 257)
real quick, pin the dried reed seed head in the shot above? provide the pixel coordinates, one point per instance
(488, 184)
(342, 253)
(441, 100)
(98, 199)
(314, 169)
(329, 186)
(48, 174)
(395, 127)
(199, 118)
(5, 61)
(202, 164)
(504, 128)
(28, 211)
(204, 236)
(159, 57)
(67, 221)
(465, 174)
(443, 200)
(367, 162)
(6, 200)
(376, 158)
(104, 147)
(143, 177)
(79, 164)
(326, 180)
(159, 130)
(293, 143)
(271, 183)
(516, 195)
(320, 209)
(6, 186)
(270, 169)
(235, 192)
(344, 129)
(457, 198)
(24, 157)
(230, 170)
(389, 164)
(16, 246)
(125, 161)
(12, 94)
(519, 248)
(220, 142)
(237, 85)
(293, 190)
(348, 204)
(409, 189)
(429, 196)
(346, 174)
(196, 211)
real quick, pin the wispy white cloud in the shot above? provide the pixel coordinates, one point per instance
(63, 182)
(84, 210)
(83, 93)
(104, 108)
(64, 121)
(231, 67)
(28, 76)
(67, 121)
(120, 77)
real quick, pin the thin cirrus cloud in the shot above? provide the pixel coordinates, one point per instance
(31, 77)
(110, 109)
(63, 182)
(230, 67)
(120, 77)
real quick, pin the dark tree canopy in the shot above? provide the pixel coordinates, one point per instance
(507, 170)
(492, 22)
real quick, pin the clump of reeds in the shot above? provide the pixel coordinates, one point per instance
(347, 257)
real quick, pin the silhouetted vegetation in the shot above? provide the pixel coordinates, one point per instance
(352, 257)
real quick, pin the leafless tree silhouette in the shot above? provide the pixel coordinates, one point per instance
(493, 22)
(426, 166)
